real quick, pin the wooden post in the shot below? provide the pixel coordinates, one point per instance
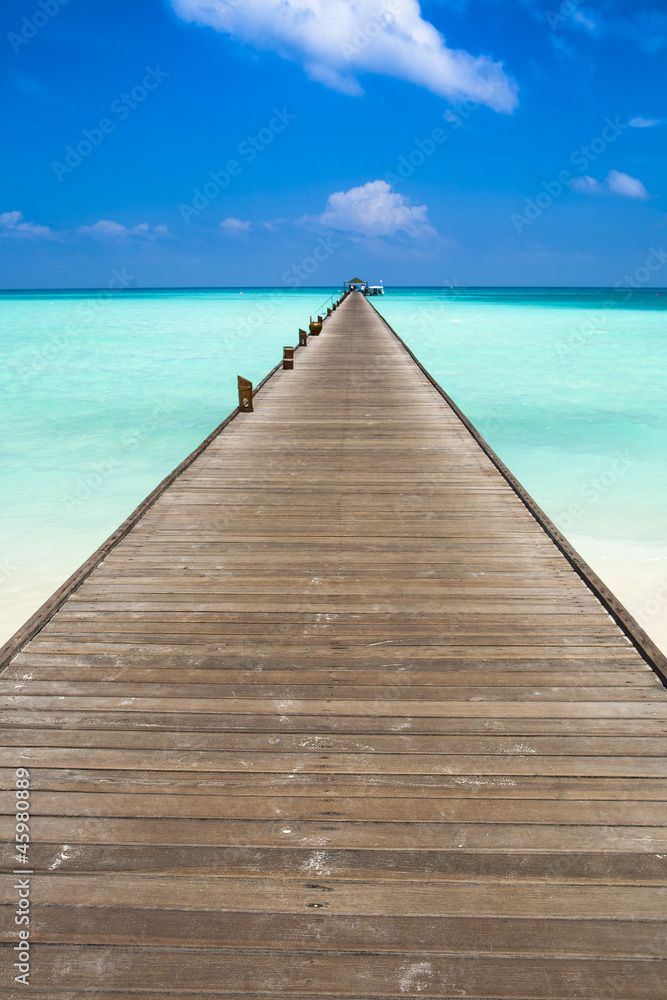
(303, 338)
(288, 358)
(328, 313)
(245, 395)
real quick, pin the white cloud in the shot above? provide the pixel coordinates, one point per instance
(9, 220)
(106, 229)
(625, 185)
(375, 210)
(234, 226)
(13, 224)
(644, 122)
(614, 183)
(336, 40)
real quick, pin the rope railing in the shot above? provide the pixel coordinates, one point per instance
(321, 311)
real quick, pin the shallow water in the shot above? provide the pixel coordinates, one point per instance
(104, 393)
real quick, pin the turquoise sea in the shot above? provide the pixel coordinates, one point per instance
(103, 393)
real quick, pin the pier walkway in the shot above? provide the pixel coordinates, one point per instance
(337, 718)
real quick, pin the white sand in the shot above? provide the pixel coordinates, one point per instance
(637, 574)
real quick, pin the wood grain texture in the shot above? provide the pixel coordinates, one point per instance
(335, 716)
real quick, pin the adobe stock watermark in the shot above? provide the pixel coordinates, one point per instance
(426, 316)
(41, 358)
(438, 310)
(22, 885)
(370, 29)
(594, 488)
(263, 312)
(86, 487)
(122, 107)
(31, 26)
(642, 274)
(295, 275)
(424, 148)
(624, 288)
(565, 10)
(580, 158)
(7, 569)
(249, 149)
(655, 605)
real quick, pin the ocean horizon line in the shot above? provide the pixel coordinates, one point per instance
(307, 288)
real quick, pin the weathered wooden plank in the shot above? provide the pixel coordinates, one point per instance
(473, 738)
(335, 678)
(126, 727)
(279, 707)
(544, 866)
(385, 934)
(234, 732)
(283, 644)
(297, 975)
(57, 771)
(369, 809)
(168, 691)
(319, 834)
(382, 897)
(261, 660)
(403, 896)
(523, 762)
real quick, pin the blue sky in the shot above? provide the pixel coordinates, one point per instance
(257, 142)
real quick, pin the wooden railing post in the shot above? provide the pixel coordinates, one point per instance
(245, 395)
(288, 358)
(303, 338)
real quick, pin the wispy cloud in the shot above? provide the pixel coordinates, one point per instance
(644, 122)
(336, 40)
(13, 224)
(644, 25)
(235, 227)
(375, 210)
(616, 182)
(106, 229)
(641, 24)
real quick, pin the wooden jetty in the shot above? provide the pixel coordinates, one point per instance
(338, 714)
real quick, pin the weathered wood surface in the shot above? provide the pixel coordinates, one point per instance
(336, 718)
